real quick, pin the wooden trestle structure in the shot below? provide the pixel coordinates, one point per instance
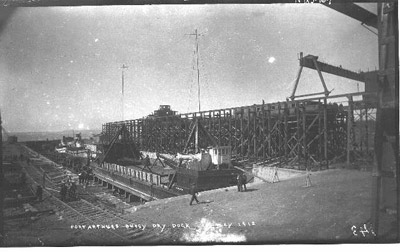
(310, 131)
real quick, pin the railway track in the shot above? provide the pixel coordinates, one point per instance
(83, 216)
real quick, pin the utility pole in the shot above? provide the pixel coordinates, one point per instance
(197, 63)
(122, 90)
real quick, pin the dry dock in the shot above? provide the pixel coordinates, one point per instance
(334, 209)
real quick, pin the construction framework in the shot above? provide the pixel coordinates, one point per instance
(310, 131)
(295, 133)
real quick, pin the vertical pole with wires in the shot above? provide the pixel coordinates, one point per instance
(122, 90)
(196, 34)
(198, 71)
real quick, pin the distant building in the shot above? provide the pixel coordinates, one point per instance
(164, 110)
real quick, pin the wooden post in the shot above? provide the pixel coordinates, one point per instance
(235, 141)
(361, 129)
(134, 131)
(230, 128)
(298, 130)
(262, 130)
(285, 120)
(376, 171)
(219, 129)
(304, 137)
(269, 130)
(297, 78)
(255, 132)
(326, 133)
(366, 131)
(349, 126)
(196, 141)
(212, 125)
(1, 185)
(320, 76)
(248, 132)
(279, 132)
(387, 109)
(319, 131)
(241, 133)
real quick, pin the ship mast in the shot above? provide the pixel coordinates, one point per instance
(197, 64)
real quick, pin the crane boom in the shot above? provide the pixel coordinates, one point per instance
(356, 12)
(308, 61)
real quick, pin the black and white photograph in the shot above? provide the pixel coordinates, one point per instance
(179, 122)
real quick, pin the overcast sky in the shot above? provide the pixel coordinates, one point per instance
(60, 67)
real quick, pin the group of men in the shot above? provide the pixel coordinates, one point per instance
(68, 191)
(84, 177)
(241, 184)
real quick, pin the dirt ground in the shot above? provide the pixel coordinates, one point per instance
(333, 210)
(284, 212)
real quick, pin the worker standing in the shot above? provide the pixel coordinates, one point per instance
(239, 183)
(193, 192)
(147, 162)
(244, 181)
(84, 178)
(80, 178)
